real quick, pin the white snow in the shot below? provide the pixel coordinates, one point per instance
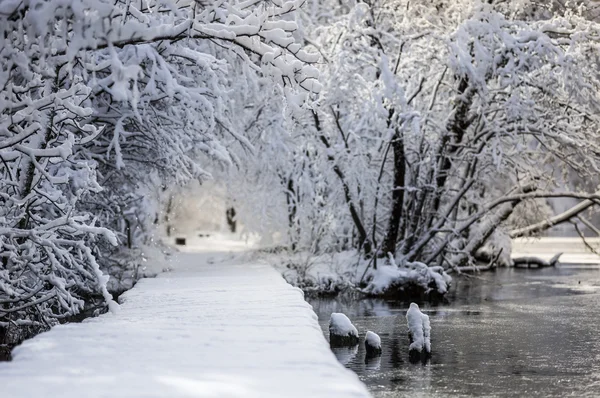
(208, 329)
(340, 325)
(373, 340)
(419, 274)
(419, 328)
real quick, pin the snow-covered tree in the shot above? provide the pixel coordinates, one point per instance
(438, 119)
(103, 102)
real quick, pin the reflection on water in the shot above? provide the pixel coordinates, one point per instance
(373, 363)
(345, 355)
(504, 333)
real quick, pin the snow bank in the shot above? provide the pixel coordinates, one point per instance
(337, 272)
(419, 332)
(391, 279)
(372, 344)
(341, 331)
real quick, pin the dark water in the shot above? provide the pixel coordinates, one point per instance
(504, 333)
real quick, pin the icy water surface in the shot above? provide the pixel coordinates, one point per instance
(507, 333)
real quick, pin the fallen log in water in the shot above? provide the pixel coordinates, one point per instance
(528, 262)
(518, 262)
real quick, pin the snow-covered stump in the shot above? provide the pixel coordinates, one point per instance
(342, 332)
(372, 345)
(419, 333)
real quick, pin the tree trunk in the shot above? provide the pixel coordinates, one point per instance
(391, 236)
(363, 240)
(549, 223)
(291, 199)
(456, 129)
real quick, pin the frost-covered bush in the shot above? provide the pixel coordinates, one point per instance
(348, 272)
(318, 274)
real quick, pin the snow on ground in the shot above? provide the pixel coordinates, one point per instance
(213, 327)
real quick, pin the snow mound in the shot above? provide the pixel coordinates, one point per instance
(339, 272)
(388, 278)
(419, 330)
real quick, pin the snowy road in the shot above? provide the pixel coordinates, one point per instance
(204, 330)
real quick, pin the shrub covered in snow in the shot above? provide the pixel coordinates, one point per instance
(334, 273)
(341, 331)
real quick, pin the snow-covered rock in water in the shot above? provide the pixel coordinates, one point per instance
(341, 331)
(372, 344)
(419, 332)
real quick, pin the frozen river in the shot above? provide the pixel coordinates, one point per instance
(505, 333)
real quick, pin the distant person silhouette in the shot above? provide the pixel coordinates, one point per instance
(231, 219)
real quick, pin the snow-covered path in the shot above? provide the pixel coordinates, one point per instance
(204, 330)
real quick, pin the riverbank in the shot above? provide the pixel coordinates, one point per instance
(212, 327)
(511, 332)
